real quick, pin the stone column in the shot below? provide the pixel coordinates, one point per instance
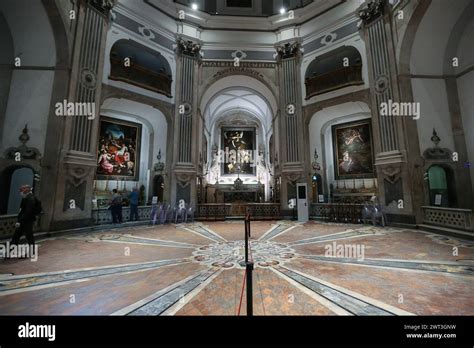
(391, 153)
(78, 156)
(291, 130)
(185, 147)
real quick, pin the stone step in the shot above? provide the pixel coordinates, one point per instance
(447, 231)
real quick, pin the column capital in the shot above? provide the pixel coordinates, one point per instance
(103, 6)
(371, 10)
(188, 47)
(288, 50)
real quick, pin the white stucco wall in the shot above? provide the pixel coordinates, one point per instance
(30, 92)
(434, 112)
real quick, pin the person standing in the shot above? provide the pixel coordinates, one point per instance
(26, 216)
(133, 198)
(116, 207)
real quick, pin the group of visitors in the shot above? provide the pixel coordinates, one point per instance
(116, 204)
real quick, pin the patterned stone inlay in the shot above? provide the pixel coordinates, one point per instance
(33, 280)
(337, 236)
(348, 302)
(412, 265)
(168, 299)
(232, 254)
(204, 231)
(276, 230)
(140, 240)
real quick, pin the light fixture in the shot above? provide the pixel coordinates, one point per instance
(194, 6)
(282, 10)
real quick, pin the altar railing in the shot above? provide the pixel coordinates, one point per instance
(337, 212)
(103, 216)
(220, 211)
(213, 211)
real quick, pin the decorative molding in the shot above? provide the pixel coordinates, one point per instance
(382, 84)
(78, 173)
(239, 54)
(230, 64)
(237, 70)
(184, 179)
(436, 153)
(292, 176)
(238, 183)
(392, 173)
(88, 79)
(26, 152)
(328, 39)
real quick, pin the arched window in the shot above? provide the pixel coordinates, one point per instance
(144, 67)
(336, 69)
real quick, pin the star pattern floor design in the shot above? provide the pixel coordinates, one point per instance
(196, 269)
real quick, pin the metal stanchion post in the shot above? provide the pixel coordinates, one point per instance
(249, 269)
(246, 244)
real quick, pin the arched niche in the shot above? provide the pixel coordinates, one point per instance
(321, 139)
(141, 66)
(11, 178)
(441, 185)
(333, 70)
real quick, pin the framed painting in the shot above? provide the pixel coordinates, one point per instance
(118, 150)
(238, 145)
(353, 150)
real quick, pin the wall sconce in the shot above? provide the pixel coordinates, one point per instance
(159, 166)
(315, 163)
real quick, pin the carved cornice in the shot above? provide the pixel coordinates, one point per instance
(372, 10)
(238, 70)
(230, 64)
(437, 154)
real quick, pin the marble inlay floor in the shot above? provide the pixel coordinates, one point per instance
(198, 269)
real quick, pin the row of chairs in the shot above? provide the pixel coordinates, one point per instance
(163, 213)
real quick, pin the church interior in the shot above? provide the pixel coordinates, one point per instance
(176, 151)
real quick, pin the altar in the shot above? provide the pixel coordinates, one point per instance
(226, 193)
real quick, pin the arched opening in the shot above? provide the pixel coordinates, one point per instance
(441, 80)
(441, 186)
(10, 181)
(333, 70)
(158, 187)
(333, 131)
(145, 132)
(139, 65)
(238, 113)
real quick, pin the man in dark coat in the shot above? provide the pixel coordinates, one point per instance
(26, 217)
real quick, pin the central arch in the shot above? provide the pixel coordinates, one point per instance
(241, 104)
